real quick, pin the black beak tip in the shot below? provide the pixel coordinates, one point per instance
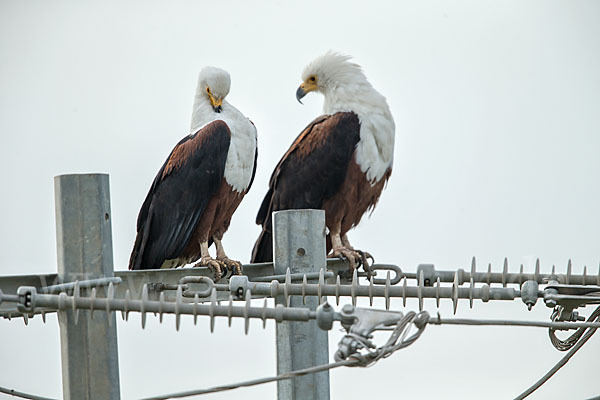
(300, 93)
(218, 109)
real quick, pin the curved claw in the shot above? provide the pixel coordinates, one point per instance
(365, 255)
(365, 262)
(352, 256)
(216, 268)
(238, 268)
(363, 259)
(224, 271)
(227, 272)
(234, 266)
(214, 265)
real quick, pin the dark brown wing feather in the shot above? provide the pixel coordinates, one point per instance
(311, 171)
(190, 176)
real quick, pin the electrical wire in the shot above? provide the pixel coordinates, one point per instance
(504, 322)
(399, 332)
(254, 382)
(22, 395)
(562, 361)
(353, 360)
(564, 345)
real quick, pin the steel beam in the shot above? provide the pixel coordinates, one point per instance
(299, 243)
(90, 367)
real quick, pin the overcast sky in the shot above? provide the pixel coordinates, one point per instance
(497, 109)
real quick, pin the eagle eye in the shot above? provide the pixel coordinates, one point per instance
(312, 79)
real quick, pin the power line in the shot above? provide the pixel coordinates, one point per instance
(22, 395)
(255, 382)
(397, 341)
(386, 350)
(562, 361)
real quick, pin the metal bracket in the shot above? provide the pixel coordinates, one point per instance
(26, 295)
(566, 298)
(360, 323)
(363, 321)
(185, 282)
(563, 298)
(387, 267)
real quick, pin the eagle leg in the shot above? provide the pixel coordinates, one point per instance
(206, 260)
(345, 251)
(233, 265)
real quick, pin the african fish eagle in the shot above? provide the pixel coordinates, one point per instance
(200, 185)
(339, 163)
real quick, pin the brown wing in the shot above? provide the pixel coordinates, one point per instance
(310, 172)
(188, 179)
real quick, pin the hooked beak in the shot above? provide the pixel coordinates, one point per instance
(217, 104)
(300, 93)
(309, 85)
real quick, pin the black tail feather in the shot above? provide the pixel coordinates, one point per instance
(263, 248)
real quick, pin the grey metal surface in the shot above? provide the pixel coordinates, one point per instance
(430, 275)
(290, 291)
(299, 243)
(355, 349)
(88, 284)
(28, 299)
(135, 280)
(195, 282)
(89, 355)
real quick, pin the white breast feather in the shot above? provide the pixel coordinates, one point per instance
(375, 149)
(242, 149)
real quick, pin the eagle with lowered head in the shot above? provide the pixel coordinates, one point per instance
(339, 163)
(200, 185)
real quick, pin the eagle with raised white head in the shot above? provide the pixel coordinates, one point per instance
(200, 185)
(339, 163)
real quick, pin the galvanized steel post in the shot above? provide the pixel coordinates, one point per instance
(299, 243)
(90, 366)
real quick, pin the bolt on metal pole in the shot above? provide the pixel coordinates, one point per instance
(299, 244)
(90, 365)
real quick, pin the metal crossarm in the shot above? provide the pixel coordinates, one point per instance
(358, 322)
(428, 279)
(287, 285)
(135, 280)
(428, 282)
(360, 319)
(87, 292)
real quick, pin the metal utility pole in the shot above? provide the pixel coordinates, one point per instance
(90, 364)
(299, 243)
